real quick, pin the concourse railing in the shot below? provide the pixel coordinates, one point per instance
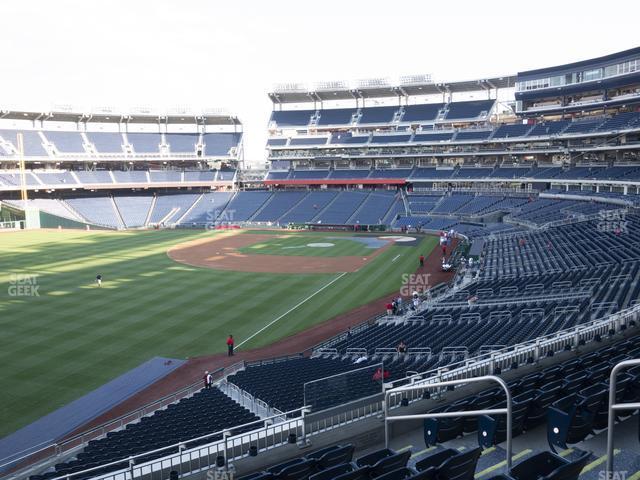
(453, 414)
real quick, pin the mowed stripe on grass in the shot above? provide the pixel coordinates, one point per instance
(74, 337)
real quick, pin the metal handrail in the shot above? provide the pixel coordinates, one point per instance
(613, 406)
(537, 343)
(465, 413)
(59, 447)
(180, 445)
(466, 369)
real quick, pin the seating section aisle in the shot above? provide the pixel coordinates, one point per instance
(170, 207)
(343, 206)
(134, 210)
(206, 210)
(308, 208)
(98, 210)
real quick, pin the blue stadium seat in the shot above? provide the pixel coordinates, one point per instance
(219, 144)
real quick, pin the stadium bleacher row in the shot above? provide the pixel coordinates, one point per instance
(434, 211)
(50, 143)
(420, 113)
(51, 179)
(569, 398)
(206, 412)
(539, 172)
(529, 285)
(477, 133)
(514, 302)
(538, 176)
(211, 208)
(74, 178)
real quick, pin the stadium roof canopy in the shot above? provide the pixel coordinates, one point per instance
(105, 115)
(382, 88)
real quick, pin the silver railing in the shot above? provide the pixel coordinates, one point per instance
(537, 348)
(466, 413)
(616, 407)
(190, 460)
(488, 364)
(62, 447)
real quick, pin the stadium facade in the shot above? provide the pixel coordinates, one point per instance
(540, 169)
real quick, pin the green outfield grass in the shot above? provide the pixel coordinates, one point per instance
(295, 244)
(74, 337)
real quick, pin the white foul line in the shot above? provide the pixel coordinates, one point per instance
(292, 309)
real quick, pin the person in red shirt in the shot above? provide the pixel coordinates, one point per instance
(422, 260)
(380, 375)
(389, 308)
(230, 345)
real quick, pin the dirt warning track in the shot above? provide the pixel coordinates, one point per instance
(221, 252)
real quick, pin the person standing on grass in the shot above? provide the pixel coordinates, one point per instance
(230, 346)
(99, 280)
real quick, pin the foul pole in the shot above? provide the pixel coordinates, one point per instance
(23, 174)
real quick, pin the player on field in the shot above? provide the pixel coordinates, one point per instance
(99, 280)
(230, 346)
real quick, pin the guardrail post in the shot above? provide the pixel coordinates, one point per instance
(467, 413)
(613, 380)
(226, 435)
(303, 436)
(536, 352)
(181, 448)
(132, 462)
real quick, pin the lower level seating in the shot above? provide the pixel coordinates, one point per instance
(208, 411)
(335, 463)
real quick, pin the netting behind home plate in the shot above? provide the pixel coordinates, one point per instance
(342, 388)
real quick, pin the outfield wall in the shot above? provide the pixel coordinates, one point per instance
(48, 220)
(36, 218)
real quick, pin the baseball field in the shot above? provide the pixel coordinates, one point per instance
(168, 293)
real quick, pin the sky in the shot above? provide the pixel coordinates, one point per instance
(203, 54)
